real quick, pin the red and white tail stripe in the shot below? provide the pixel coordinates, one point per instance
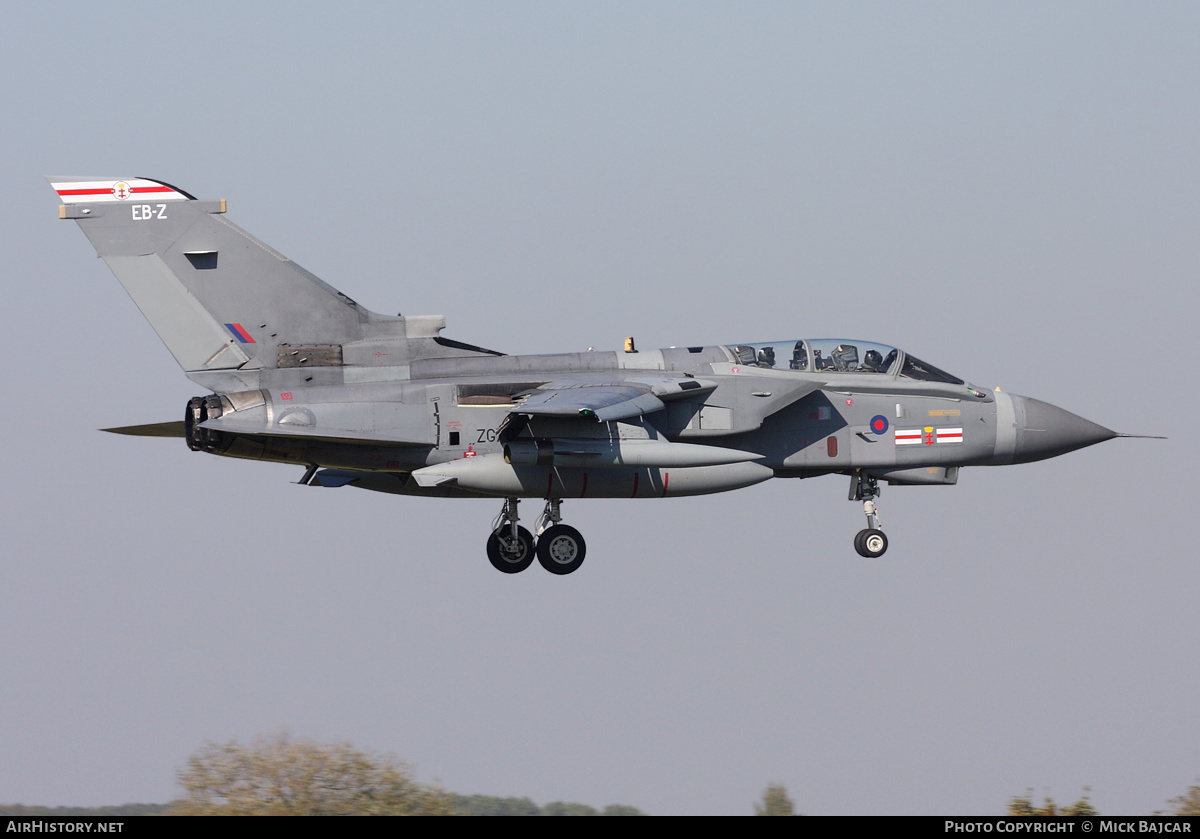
(97, 190)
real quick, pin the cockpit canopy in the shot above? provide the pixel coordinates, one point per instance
(839, 355)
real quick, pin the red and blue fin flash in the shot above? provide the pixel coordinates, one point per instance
(240, 333)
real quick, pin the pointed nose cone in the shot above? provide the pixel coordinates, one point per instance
(1044, 430)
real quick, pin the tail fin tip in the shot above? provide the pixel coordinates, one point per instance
(83, 189)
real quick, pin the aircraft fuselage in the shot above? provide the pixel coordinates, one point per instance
(784, 423)
(301, 373)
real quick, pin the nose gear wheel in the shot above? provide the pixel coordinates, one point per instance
(871, 542)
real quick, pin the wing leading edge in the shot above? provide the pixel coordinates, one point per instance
(608, 401)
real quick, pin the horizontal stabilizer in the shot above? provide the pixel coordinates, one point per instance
(253, 428)
(154, 429)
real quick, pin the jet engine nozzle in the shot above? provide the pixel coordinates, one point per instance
(201, 409)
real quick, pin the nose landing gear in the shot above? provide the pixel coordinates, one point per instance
(870, 542)
(560, 547)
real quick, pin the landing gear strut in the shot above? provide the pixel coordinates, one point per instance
(870, 542)
(560, 547)
(510, 547)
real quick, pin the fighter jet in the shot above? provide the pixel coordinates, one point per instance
(297, 372)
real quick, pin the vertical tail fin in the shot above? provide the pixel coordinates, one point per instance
(217, 297)
(235, 313)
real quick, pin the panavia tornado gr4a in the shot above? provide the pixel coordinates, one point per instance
(300, 373)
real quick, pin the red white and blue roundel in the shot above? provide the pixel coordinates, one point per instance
(879, 424)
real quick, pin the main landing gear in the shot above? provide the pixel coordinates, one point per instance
(560, 547)
(870, 542)
(510, 547)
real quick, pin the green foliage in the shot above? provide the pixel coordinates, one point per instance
(281, 776)
(1024, 806)
(67, 812)
(1187, 804)
(621, 810)
(775, 802)
(566, 808)
(490, 805)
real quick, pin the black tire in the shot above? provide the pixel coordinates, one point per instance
(871, 543)
(561, 549)
(511, 562)
(858, 542)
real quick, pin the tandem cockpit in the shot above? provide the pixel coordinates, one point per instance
(839, 355)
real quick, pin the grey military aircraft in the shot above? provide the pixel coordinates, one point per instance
(298, 372)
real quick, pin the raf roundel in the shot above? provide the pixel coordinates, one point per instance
(879, 424)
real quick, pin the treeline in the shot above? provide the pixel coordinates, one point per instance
(282, 776)
(1187, 804)
(488, 805)
(69, 812)
(460, 805)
